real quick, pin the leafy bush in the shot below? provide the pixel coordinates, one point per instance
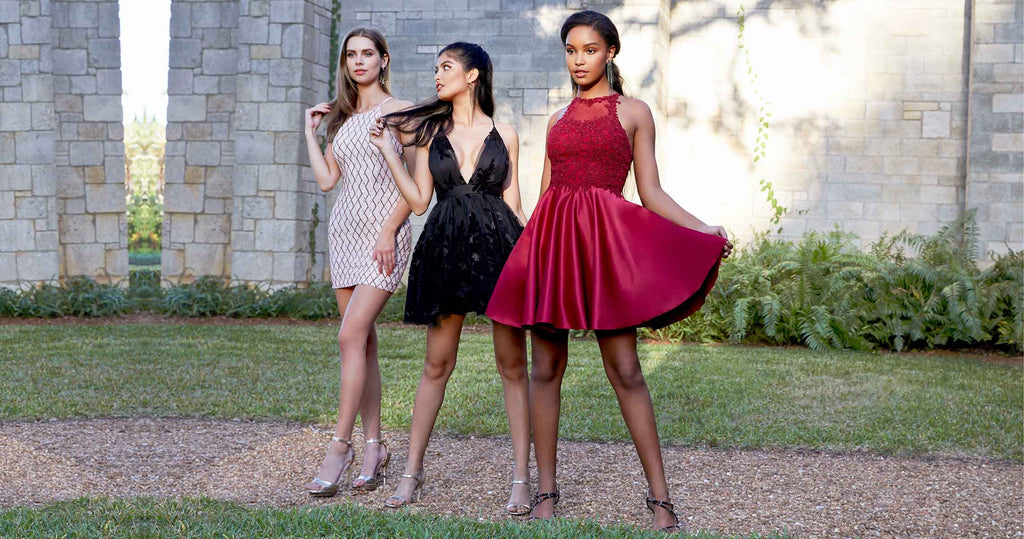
(825, 293)
(79, 296)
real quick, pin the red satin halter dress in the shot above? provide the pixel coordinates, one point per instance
(589, 258)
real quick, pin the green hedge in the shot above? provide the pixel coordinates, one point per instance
(906, 291)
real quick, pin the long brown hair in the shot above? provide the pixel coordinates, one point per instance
(606, 28)
(346, 90)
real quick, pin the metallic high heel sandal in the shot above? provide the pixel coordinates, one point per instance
(677, 527)
(540, 498)
(420, 478)
(519, 509)
(328, 489)
(380, 472)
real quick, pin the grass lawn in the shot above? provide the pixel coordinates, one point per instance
(191, 517)
(704, 395)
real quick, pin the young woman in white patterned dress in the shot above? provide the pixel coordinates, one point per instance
(370, 244)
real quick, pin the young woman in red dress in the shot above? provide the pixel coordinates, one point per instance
(589, 259)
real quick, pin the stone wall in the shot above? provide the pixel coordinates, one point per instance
(199, 156)
(61, 151)
(89, 147)
(884, 117)
(29, 248)
(995, 149)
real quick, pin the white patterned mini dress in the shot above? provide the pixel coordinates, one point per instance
(368, 196)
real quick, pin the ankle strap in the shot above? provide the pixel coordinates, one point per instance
(342, 440)
(544, 496)
(373, 441)
(514, 482)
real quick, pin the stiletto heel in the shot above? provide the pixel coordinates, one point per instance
(519, 509)
(420, 479)
(673, 528)
(380, 476)
(329, 488)
(540, 498)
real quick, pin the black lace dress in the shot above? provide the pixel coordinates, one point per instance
(467, 237)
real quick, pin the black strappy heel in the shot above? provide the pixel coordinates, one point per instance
(542, 497)
(668, 506)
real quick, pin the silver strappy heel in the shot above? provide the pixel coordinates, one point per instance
(327, 488)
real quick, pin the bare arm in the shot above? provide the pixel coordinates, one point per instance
(416, 188)
(545, 178)
(384, 249)
(325, 170)
(648, 182)
(402, 210)
(511, 193)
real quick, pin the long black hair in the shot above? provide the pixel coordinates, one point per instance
(606, 28)
(428, 119)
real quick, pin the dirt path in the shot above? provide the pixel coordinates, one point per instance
(808, 494)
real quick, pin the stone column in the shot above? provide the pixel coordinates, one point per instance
(199, 157)
(282, 68)
(28, 192)
(995, 147)
(89, 147)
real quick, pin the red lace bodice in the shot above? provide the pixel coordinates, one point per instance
(588, 147)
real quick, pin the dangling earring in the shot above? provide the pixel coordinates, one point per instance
(608, 70)
(383, 79)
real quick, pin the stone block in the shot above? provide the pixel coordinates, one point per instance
(938, 194)
(186, 108)
(8, 268)
(935, 124)
(254, 147)
(252, 88)
(286, 72)
(185, 53)
(252, 30)
(252, 266)
(244, 180)
(203, 153)
(102, 108)
(109, 19)
(84, 259)
(882, 146)
(990, 12)
(1008, 142)
(204, 259)
(1008, 103)
(181, 19)
(15, 116)
(35, 30)
(220, 62)
(34, 147)
(535, 102)
(17, 235)
(172, 262)
(182, 229)
(83, 84)
(993, 53)
(10, 11)
(104, 53)
(108, 81)
(6, 152)
(108, 228)
(32, 207)
(184, 198)
(213, 229)
(290, 267)
(23, 52)
(257, 208)
(38, 266)
(287, 11)
(86, 153)
(7, 205)
(37, 88)
(247, 116)
(280, 116)
(77, 229)
(104, 197)
(218, 182)
(206, 15)
(273, 235)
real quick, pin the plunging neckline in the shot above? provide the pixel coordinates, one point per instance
(476, 166)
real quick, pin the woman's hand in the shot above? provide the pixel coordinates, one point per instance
(316, 113)
(381, 137)
(720, 232)
(384, 251)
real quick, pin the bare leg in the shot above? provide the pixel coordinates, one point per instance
(442, 349)
(550, 357)
(510, 354)
(360, 305)
(622, 366)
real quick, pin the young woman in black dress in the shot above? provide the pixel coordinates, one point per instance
(471, 163)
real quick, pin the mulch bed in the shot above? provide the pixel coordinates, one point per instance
(805, 493)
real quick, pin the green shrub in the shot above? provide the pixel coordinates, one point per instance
(823, 292)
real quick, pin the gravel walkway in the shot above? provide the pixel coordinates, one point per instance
(808, 494)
